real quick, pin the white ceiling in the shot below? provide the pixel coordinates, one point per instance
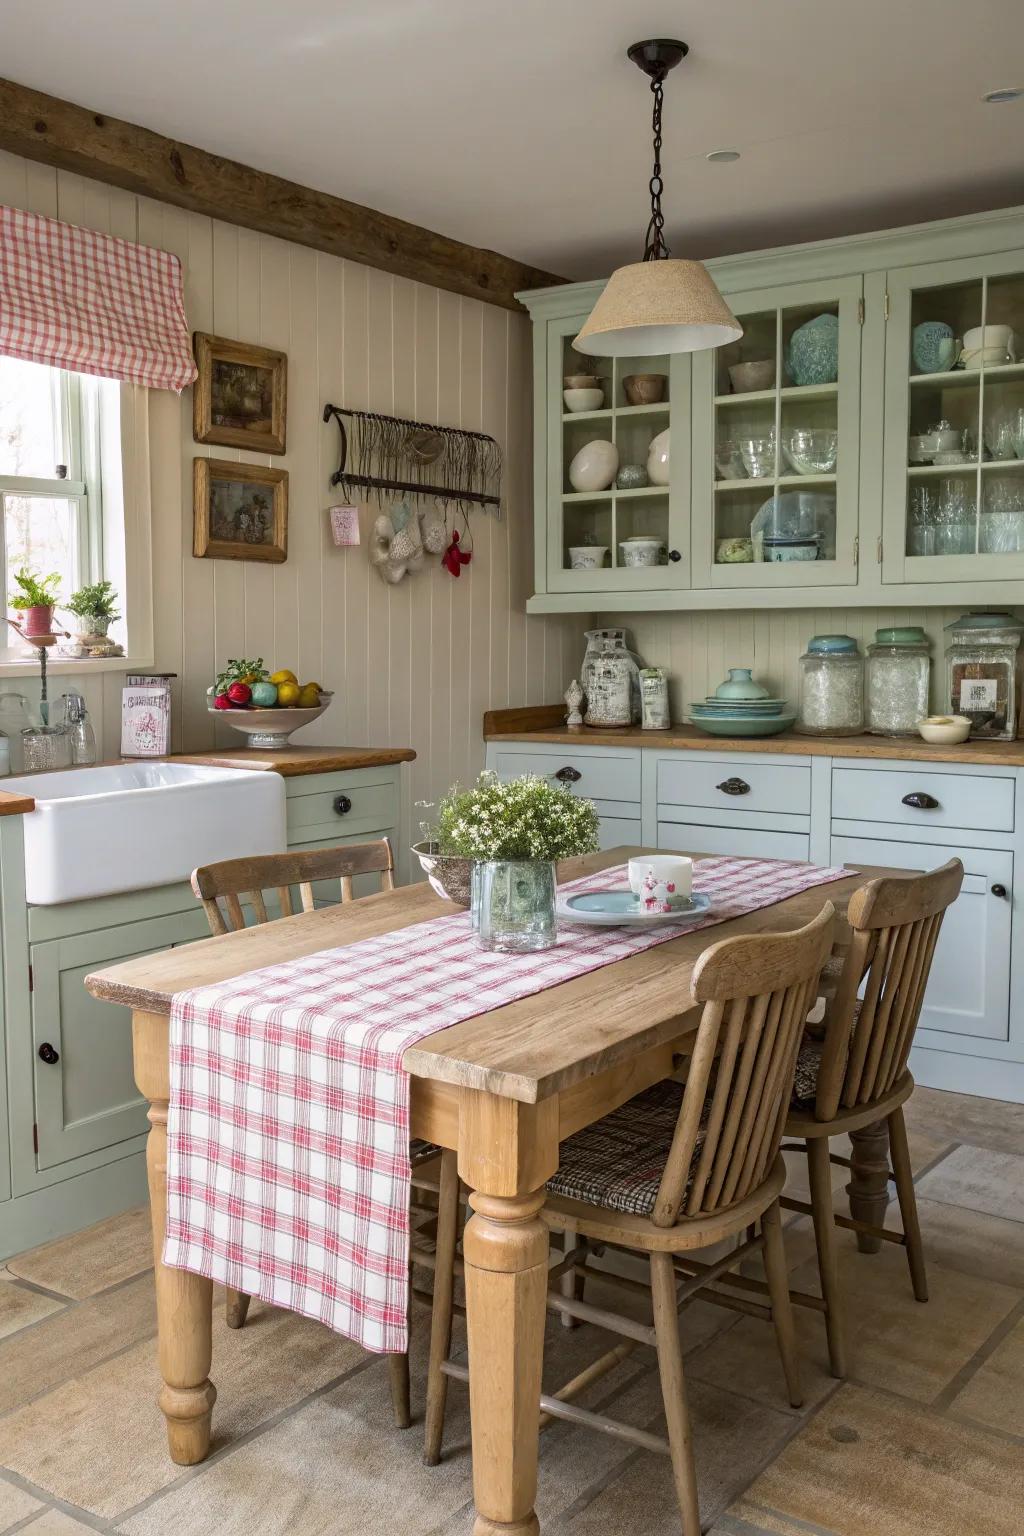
(519, 124)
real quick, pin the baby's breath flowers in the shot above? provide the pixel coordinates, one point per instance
(527, 818)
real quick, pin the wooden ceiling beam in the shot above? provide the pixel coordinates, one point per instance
(74, 138)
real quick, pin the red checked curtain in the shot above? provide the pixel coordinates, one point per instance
(76, 299)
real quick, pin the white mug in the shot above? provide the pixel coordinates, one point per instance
(674, 871)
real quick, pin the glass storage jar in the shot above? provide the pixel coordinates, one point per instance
(983, 672)
(898, 672)
(831, 687)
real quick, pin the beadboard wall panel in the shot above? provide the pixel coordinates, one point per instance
(415, 664)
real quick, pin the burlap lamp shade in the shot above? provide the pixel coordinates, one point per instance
(657, 307)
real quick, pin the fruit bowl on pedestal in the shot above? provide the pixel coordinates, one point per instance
(269, 728)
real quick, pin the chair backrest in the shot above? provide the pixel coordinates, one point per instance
(756, 991)
(895, 922)
(234, 881)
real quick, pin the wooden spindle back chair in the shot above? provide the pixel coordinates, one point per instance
(856, 1080)
(675, 1170)
(235, 882)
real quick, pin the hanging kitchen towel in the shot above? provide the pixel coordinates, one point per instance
(288, 1129)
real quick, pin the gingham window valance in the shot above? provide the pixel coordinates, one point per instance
(76, 299)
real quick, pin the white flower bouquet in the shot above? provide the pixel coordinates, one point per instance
(526, 818)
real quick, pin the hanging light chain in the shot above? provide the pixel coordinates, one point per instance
(655, 248)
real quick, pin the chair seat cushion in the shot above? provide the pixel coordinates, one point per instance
(617, 1162)
(808, 1065)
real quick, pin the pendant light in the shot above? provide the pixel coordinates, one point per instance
(658, 305)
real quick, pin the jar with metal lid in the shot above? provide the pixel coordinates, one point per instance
(45, 747)
(898, 674)
(983, 672)
(831, 687)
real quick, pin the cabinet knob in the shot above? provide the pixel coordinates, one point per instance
(1000, 891)
(920, 801)
(734, 787)
(342, 805)
(674, 555)
(568, 774)
(48, 1054)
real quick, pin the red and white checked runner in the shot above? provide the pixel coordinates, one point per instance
(74, 298)
(288, 1130)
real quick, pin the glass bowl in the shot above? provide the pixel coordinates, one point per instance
(729, 460)
(758, 456)
(812, 451)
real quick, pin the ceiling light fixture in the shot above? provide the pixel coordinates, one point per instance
(723, 156)
(658, 305)
(1005, 93)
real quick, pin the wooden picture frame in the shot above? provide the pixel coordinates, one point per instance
(239, 399)
(228, 524)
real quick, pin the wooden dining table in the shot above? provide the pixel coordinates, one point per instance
(503, 1088)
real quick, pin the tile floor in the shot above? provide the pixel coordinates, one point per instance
(925, 1439)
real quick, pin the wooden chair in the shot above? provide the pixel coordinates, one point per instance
(242, 882)
(679, 1168)
(856, 1074)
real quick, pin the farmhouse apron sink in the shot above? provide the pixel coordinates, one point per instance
(128, 826)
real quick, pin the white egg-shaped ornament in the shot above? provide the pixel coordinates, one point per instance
(657, 459)
(595, 466)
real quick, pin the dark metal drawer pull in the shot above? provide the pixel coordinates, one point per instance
(999, 890)
(569, 775)
(919, 801)
(342, 804)
(734, 787)
(48, 1054)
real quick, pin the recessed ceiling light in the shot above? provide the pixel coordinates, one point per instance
(723, 156)
(1005, 93)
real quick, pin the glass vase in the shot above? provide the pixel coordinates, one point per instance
(515, 904)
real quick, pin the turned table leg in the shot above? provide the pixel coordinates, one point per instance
(184, 1302)
(506, 1152)
(868, 1188)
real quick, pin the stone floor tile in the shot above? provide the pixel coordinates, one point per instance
(74, 1340)
(20, 1306)
(98, 1441)
(962, 1117)
(869, 1464)
(54, 1522)
(91, 1260)
(15, 1503)
(995, 1393)
(980, 1180)
(970, 1241)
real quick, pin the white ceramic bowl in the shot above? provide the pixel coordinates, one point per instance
(587, 557)
(595, 466)
(944, 730)
(640, 551)
(583, 399)
(657, 459)
(271, 728)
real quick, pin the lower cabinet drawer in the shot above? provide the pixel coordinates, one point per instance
(744, 843)
(969, 989)
(608, 775)
(740, 786)
(352, 809)
(919, 797)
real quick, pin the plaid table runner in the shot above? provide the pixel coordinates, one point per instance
(288, 1129)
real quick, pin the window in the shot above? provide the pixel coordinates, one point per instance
(55, 430)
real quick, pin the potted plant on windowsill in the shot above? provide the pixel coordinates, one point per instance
(35, 597)
(515, 832)
(95, 609)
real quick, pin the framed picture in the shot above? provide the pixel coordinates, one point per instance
(240, 397)
(239, 511)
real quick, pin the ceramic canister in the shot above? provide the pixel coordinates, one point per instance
(608, 691)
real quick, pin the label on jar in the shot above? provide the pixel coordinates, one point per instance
(978, 695)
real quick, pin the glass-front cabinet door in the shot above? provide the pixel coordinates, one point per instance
(953, 492)
(776, 428)
(618, 469)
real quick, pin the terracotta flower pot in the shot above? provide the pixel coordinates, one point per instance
(38, 620)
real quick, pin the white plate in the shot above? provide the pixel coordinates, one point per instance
(621, 909)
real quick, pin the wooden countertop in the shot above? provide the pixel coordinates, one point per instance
(15, 805)
(545, 724)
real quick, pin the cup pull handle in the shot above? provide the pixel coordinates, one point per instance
(920, 801)
(734, 787)
(568, 774)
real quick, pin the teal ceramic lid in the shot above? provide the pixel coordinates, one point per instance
(908, 634)
(1003, 621)
(832, 645)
